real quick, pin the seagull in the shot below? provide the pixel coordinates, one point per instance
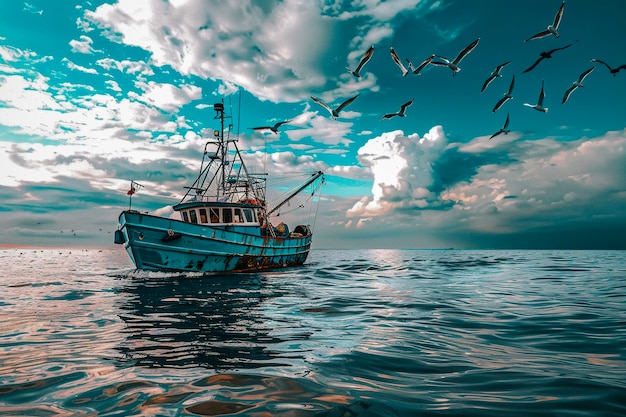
(494, 75)
(272, 128)
(454, 64)
(334, 113)
(364, 60)
(576, 84)
(398, 62)
(552, 29)
(503, 129)
(507, 96)
(421, 66)
(613, 71)
(545, 55)
(539, 105)
(400, 113)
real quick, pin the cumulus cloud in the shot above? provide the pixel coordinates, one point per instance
(402, 171)
(489, 187)
(288, 56)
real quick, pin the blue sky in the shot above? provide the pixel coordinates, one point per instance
(95, 94)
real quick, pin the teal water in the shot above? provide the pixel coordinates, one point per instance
(351, 333)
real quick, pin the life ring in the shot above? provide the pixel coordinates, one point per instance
(170, 232)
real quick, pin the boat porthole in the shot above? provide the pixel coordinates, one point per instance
(140, 236)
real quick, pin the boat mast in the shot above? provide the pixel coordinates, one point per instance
(219, 113)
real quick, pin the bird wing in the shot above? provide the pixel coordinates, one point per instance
(465, 51)
(499, 67)
(345, 103)
(567, 93)
(500, 103)
(321, 103)
(277, 125)
(423, 64)
(441, 64)
(542, 94)
(511, 85)
(405, 105)
(558, 49)
(534, 65)
(487, 81)
(538, 35)
(602, 62)
(618, 69)
(584, 74)
(260, 127)
(559, 15)
(495, 134)
(364, 60)
(389, 116)
(398, 62)
(506, 122)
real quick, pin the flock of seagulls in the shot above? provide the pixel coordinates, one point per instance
(454, 66)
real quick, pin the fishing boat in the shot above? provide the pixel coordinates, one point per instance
(223, 223)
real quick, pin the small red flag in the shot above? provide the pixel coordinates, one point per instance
(131, 191)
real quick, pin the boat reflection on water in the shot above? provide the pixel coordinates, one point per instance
(178, 321)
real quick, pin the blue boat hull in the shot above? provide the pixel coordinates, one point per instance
(162, 244)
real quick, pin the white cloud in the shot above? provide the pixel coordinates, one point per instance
(77, 67)
(402, 170)
(82, 46)
(536, 183)
(167, 96)
(285, 59)
(130, 67)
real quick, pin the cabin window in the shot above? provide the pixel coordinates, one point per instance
(215, 215)
(192, 215)
(238, 216)
(248, 213)
(227, 215)
(203, 218)
(185, 217)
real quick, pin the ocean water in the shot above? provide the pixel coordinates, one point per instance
(351, 333)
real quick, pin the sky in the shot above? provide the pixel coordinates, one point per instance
(94, 94)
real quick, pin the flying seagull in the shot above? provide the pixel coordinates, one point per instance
(613, 71)
(395, 58)
(401, 113)
(552, 29)
(494, 75)
(507, 96)
(334, 113)
(364, 60)
(454, 64)
(539, 105)
(545, 55)
(503, 129)
(420, 66)
(272, 128)
(576, 84)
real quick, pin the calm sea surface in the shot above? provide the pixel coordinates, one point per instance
(352, 333)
